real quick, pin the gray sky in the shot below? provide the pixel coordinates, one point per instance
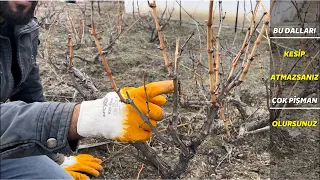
(199, 8)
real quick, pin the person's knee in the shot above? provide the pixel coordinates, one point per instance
(35, 167)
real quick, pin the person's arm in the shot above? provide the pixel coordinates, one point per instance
(52, 127)
(38, 128)
(73, 134)
(32, 91)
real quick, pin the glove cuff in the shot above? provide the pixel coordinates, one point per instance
(88, 121)
(68, 161)
(101, 117)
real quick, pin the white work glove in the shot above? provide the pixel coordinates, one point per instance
(119, 121)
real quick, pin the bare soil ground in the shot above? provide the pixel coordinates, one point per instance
(131, 56)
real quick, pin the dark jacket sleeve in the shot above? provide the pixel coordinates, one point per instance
(35, 129)
(31, 90)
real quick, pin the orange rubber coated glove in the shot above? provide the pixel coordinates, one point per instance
(82, 164)
(119, 121)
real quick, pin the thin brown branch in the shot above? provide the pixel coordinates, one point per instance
(142, 167)
(172, 128)
(104, 59)
(163, 25)
(183, 46)
(167, 62)
(175, 81)
(104, 50)
(76, 85)
(237, 58)
(70, 51)
(245, 44)
(225, 121)
(252, 25)
(256, 43)
(210, 54)
(295, 4)
(120, 21)
(189, 14)
(147, 99)
(260, 68)
(306, 12)
(83, 26)
(73, 29)
(217, 56)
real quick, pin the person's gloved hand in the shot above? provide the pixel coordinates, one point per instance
(119, 121)
(78, 166)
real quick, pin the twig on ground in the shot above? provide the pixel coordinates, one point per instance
(113, 155)
(227, 155)
(253, 128)
(142, 167)
(86, 146)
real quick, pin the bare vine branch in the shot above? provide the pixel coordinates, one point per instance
(104, 59)
(168, 64)
(210, 54)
